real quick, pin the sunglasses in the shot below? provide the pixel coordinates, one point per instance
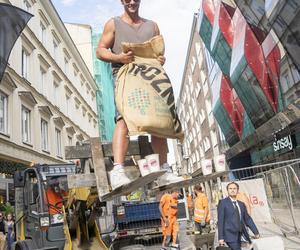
(129, 1)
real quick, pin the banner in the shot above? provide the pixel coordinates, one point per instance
(253, 194)
(220, 163)
(12, 21)
(206, 166)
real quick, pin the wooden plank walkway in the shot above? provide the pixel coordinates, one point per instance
(132, 186)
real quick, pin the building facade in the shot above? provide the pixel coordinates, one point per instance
(47, 95)
(202, 141)
(86, 41)
(253, 74)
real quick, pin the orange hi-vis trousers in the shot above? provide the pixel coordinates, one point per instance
(170, 231)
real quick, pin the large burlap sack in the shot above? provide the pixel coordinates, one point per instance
(144, 94)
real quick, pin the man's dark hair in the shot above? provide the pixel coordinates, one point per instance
(237, 185)
(198, 188)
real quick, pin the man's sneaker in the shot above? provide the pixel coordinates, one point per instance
(118, 177)
(168, 177)
(174, 246)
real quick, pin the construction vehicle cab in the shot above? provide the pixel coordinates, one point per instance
(39, 206)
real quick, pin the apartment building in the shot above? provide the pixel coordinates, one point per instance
(202, 138)
(47, 95)
(86, 40)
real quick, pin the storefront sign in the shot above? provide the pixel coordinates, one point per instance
(283, 143)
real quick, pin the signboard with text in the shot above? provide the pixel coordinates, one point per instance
(255, 195)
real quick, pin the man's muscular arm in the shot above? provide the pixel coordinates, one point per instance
(106, 43)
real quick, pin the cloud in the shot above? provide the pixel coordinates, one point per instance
(68, 2)
(174, 18)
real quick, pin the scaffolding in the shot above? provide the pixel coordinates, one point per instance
(104, 95)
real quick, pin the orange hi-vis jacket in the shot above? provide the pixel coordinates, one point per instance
(201, 212)
(55, 201)
(169, 205)
(190, 201)
(169, 209)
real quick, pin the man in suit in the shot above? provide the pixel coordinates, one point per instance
(233, 219)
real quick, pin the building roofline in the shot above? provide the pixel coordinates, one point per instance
(195, 19)
(68, 40)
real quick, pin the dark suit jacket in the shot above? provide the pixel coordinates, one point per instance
(228, 224)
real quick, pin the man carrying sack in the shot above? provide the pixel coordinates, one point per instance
(133, 29)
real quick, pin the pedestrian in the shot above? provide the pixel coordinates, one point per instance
(168, 207)
(2, 232)
(201, 209)
(129, 27)
(9, 229)
(190, 204)
(233, 219)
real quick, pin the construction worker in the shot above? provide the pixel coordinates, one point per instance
(55, 197)
(128, 27)
(190, 204)
(168, 209)
(201, 210)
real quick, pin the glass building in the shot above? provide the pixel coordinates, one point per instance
(253, 68)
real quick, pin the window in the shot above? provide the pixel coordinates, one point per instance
(88, 88)
(193, 64)
(58, 142)
(3, 113)
(286, 81)
(26, 125)
(214, 139)
(26, 5)
(68, 104)
(42, 81)
(66, 66)
(55, 93)
(76, 70)
(55, 50)
(25, 63)
(84, 111)
(44, 134)
(43, 33)
(70, 140)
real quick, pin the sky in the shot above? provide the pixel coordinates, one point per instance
(174, 18)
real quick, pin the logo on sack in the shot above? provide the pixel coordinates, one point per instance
(139, 99)
(158, 78)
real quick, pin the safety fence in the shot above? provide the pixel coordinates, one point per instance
(282, 187)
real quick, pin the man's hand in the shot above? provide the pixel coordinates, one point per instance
(161, 60)
(166, 220)
(257, 236)
(126, 58)
(221, 242)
